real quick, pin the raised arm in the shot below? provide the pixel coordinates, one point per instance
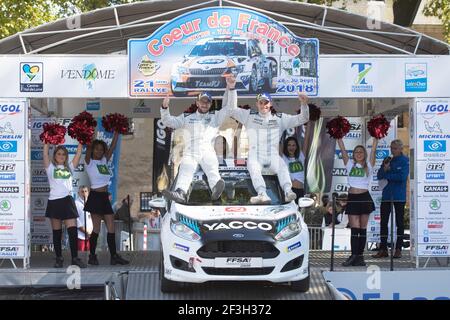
(290, 121)
(343, 151)
(167, 119)
(77, 157)
(229, 102)
(305, 147)
(45, 156)
(111, 148)
(373, 152)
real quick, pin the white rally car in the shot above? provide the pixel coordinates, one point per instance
(211, 59)
(232, 240)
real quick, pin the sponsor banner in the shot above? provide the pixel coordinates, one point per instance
(161, 146)
(13, 176)
(391, 285)
(430, 189)
(64, 76)
(359, 76)
(195, 51)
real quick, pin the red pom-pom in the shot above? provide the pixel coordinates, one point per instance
(53, 133)
(378, 126)
(115, 122)
(82, 127)
(338, 127)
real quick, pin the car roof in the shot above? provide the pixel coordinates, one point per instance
(223, 38)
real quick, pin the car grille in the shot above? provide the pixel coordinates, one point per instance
(213, 71)
(238, 271)
(237, 248)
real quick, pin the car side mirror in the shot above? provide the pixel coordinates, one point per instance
(157, 203)
(305, 202)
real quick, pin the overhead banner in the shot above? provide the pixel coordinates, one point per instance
(430, 222)
(14, 193)
(195, 51)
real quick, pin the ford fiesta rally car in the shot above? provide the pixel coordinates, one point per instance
(230, 239)
(211, 59)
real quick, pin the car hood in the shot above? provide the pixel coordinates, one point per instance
(209, 62)
(214, 213)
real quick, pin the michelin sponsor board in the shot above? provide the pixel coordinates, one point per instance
(431, 223)
(14, 198)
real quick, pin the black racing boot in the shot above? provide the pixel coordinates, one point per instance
(178, 196)
(349, 260)
(217, 190)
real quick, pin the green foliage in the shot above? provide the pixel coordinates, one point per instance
(440, 9)
(19, 15)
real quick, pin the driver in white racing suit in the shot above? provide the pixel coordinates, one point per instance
(264, 130)
(199, 131)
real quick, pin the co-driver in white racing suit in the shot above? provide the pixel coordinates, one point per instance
(199, 131)
(264, 131)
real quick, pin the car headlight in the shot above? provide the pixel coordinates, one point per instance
(237, 69)
(288, 228)
(183, 70)
(183, 231)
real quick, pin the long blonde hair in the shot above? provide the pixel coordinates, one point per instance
(66, 153)
(365, 158)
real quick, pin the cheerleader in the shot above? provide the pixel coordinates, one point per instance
(61, 206)
(98, 204)
(360, 204)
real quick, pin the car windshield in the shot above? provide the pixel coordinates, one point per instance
(238, 190)
(214, 48)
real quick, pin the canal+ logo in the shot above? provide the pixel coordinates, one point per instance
(10, 109)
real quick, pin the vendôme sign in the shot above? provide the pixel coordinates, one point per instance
(196, 51)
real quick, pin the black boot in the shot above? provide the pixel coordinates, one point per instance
(77, 262)
(93, 260)
(59, 262)
(178, 196)
(359, 261)
(116, 259)
(217, 190)
(349, 261)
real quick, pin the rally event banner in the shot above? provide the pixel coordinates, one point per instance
(196, 51)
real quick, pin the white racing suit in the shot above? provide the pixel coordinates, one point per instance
(264, 133)
(199, 132)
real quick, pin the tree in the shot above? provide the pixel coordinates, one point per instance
(440, 9)
(19, 15)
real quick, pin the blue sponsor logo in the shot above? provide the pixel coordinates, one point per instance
(181, 247)
(36, 155)
(294, 246)
(7, 176)
(426, 239)
(10, 108)
(435, 146)
(416, 77)
(72, 148)
(376, 295)
(382, 154)
(437, 108)
(39, 179)
(360, 84)
(8, 146)
(435, 176)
